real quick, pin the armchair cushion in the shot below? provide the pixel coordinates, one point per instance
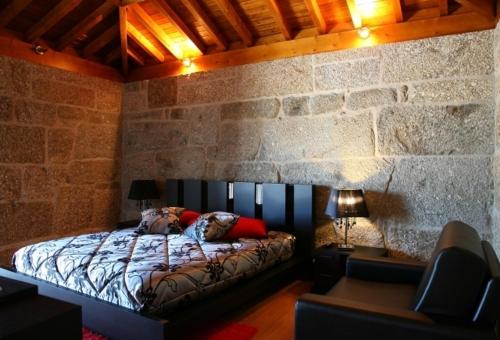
(374, 293)
(385, 269)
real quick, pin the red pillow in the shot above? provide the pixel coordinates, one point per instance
(188, 217)
(246, 228)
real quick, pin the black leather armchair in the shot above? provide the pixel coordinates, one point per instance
(455, 296)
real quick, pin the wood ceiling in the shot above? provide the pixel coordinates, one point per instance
(134, 40)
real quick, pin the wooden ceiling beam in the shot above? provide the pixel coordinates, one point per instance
(101, 41)
(16, 48)
(113, 55)
(179, 24)
(144, 43)
(316, 15)
(155, 29)
(484, 7)
(195, 9)
(123, 28)
(86, 24)
(409, 30)
(135, 56)
(236, 21)
(50, 19)
(280, 19)
(443, 7)
(12, 10)
(397, 8)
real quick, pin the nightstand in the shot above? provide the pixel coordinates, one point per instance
(26, 315)
(127, 224)
(330, 262)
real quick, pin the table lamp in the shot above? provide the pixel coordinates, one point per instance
(143, 191)
(343, 207)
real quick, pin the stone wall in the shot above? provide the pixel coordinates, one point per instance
(411, 123)
(496, 224)
(59, 154)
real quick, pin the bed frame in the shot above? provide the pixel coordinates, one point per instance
(284, 207)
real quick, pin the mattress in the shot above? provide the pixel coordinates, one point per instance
(153, 273)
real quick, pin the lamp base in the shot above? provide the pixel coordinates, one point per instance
(345, 246)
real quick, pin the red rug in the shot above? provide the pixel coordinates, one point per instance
(227, 331)
(87, 334)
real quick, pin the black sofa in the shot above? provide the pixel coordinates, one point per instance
(455, 296)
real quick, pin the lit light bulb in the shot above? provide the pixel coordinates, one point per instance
(364, 32)
(187, 62)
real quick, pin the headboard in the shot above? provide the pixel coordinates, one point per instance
(284, 207)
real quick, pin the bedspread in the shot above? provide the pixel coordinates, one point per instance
(153, 272)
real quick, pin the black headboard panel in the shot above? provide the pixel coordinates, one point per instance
(284, 207)
(217, 196)
(274, 205)
(244, 199)
(303, 214)
(193, 195)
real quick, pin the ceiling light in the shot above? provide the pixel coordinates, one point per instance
(364, 32)
(187, 62)
(38, 49)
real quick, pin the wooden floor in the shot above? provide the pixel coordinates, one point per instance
(274, 316)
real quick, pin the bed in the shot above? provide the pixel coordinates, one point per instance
(136, 286)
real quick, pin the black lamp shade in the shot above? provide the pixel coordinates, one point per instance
(346, 203)
(143, 190)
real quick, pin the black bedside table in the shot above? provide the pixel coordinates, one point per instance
(330, 262)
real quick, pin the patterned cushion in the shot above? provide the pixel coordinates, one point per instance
(211, 226)
(160, 221)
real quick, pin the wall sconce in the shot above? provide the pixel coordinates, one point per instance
(230, 190)
(363, 32)
(187, 62)
(38, 49)
(258, 194)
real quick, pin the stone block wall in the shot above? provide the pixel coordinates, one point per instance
(411, 123)
(496, 167)
(60, 154)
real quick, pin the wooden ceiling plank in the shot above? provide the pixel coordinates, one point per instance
(135, 56)
(12, 10)
(113, 55)
(443, 7)
(16, 48)
(179, 24)
(483, 7)
(408, 30)
(316, 15)
(280, 19)
(144, 43)
(123, 28)
(101, 41)
(397, 8)
(148, 22)
(86, 24)
(194, 7)
(236, 21)
(50, 19)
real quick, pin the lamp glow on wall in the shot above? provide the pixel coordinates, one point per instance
(360, 9)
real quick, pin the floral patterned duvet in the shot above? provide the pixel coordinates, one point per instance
(149, 272)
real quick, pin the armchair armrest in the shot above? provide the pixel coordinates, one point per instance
(384, 269)
(327, 317)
